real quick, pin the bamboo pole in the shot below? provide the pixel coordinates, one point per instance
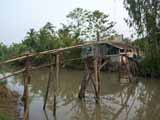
(119, 68)
(104, 63)
(56, 83)
(96, 79)
(93, 83)
(27, 78)
(54, 51)
(26, 115)
(81, 93)
(129, 69)
(97, 63)
(99, 80)
(84, 82)
(35, 68)
(12, 74)
(50, 77)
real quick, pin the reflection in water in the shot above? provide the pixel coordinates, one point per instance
(139, 101)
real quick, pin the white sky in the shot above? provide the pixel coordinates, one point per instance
(18, 16)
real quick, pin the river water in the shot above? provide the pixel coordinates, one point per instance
(136, 101)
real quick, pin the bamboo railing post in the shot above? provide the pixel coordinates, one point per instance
(27, 78)
(50, 77)
(56, 83)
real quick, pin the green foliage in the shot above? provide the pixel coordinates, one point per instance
(65, 38)
(3, 82)
(4, 117)
(16, 49)
(45, 38)
(41, 40)
(86, 24)
(145, 18)
(140, 43)
(144, 15)
(3, 51)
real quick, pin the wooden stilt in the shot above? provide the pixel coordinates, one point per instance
(27, 78)
(84, 82)
(96, 78)
(94, 84)
(97, 64)
(99, 81)
(26, 102)
(119, 68)
(46, 116)
(104, 63)
(127, 65)
(46, 95)
(54, 105)
(83, 86)
(56, 84)
(125, 70)
(92, 72)
(50, 78)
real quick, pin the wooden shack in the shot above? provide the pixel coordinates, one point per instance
(112, 50)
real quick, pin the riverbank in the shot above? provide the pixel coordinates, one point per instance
(8, 104)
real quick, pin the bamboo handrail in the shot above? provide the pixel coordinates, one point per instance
(35, 68)
(14, 73)
(54, 51)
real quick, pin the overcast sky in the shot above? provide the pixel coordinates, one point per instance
(18, 16)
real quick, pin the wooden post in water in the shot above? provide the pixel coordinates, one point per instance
(97, 64)
(119, 68)
(130, 75)
(85, 81)
(125, 74)
(27, 78)
(56, 83)
(92, 72)
(50, 78)
(96, 77)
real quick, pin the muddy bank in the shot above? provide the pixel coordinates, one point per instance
(8, 104)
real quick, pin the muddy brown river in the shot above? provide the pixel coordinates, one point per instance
(140, 101)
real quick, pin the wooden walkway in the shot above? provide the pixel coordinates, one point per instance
(92, 72)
